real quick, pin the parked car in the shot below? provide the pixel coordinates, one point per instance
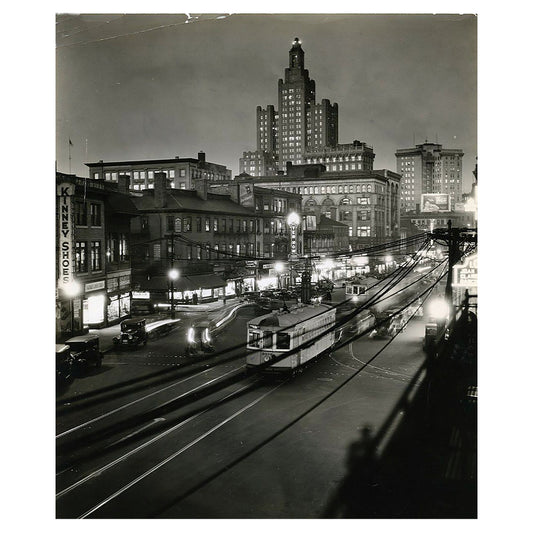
(63, 363)
(85, 351)
(132, 333)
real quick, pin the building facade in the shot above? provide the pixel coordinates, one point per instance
(181, 172)
(367, 202)
(351, 156)
(325, 236)
(210, 239)
(93, 265)
(429, 168)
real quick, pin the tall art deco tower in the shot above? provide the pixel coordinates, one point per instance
(299, 124)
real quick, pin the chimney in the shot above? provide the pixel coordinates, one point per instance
(201, 157)
(124, 183)
(160, 189)
(201, 187)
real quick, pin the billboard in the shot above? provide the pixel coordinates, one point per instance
(65, 191)
(434, 202)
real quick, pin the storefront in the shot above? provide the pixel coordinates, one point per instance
(118, 297)
(94, 304)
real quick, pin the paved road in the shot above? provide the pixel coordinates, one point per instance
(163, 447)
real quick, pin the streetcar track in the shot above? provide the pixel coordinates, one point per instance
(116, 410)
(122, 458)
(156, 467)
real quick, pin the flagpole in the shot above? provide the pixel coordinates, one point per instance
(69, 157)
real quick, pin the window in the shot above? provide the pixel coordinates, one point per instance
(187, 224)
(81, 257)
(363, 231)
(199, 224)
(215, 225)
(267, 339)
(170, 223)
(182, 172)
(177, 225)
(96, 215)
(96, 255)
(123, 252)
(81, 214)
(254, 339)
(364, 200)
(230, 227)
(363, 215)
(283, 341)
(223, 225)
(207, 224)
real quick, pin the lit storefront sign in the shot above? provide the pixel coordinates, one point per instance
(465, 275)
(140, 295)
(65, 192)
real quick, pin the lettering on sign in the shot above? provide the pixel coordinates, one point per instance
(465, 274)
(65, 192)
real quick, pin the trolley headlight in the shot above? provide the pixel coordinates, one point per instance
(267, 358)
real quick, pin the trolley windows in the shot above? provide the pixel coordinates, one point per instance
(254, 339)
(267, 339)
(283, 341)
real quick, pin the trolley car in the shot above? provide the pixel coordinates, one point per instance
(280, 332)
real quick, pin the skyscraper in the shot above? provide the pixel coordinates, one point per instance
(429, 168)
(300, 129)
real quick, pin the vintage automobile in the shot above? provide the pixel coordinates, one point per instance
(63, 363)
(132, 333)
(199, 337)
(85, 351)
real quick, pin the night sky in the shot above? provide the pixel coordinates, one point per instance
(153, 86)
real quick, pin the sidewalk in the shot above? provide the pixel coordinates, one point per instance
(217, 311)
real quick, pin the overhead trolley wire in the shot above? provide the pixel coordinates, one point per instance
(287, 426)
(69, 403)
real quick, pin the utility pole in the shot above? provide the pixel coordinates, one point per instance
(172, 311)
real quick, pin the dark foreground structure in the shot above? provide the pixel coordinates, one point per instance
(423, 462)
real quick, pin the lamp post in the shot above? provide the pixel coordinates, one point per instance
(71, 290)
(293, 220)
(173, 275)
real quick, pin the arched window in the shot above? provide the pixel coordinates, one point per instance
(351, 188)
(346, 201)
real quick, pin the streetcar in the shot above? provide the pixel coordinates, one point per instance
(283, 332)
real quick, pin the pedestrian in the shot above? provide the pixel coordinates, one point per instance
(195, 299)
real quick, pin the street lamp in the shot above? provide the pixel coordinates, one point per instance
(71, 289)
(173, 275)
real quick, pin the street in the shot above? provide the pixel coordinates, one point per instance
(200, 439)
